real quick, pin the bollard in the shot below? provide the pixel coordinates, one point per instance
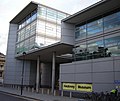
(42, 90)
(81, 100)
(62, 93)
(54, 92)
(48, 91)
(32, 89)
(28, 89)
(18, 87)
(25, 88)
(70, 94)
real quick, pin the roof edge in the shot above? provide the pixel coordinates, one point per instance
(32, 2)
(85, 9)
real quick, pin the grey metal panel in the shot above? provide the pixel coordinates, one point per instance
(85, 77)
(46, 71)
(67, 26)
(117, 65)
(80, 68)
(67, 77)
(103, 66)
(117, 57)
(67, 68)
(117, 75)
(67, 35)
(67, 32)
(13, 66)
(10, 62)
(103, 87)
(103, 59)
(103, 77)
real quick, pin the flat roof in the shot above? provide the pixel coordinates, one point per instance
(46, 52)
(27, 10)
(24, 12)
(95, 10)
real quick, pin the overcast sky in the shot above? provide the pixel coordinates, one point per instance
(10, 8)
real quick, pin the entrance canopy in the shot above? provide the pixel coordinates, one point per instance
(46, 53)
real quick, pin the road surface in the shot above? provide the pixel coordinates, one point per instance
(9, 97)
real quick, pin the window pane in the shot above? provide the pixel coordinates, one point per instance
(39, 42)
(41, 27)
(112, 21)
(112, 41)
(95, 27)
(42, 12)
(27, 31)
(51, 15)
(113, 45)
(83, 31)
(33, 15)
(51, 29)
(93, 46)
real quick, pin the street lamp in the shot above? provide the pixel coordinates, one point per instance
(24, 53)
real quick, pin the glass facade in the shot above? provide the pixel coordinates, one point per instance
(40, 28)
(100, 47)
(98, 26)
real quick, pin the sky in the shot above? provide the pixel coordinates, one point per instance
(10, 8)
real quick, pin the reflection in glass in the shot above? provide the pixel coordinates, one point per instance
(98, 49)
(95, 27)
(40, 28)
(98, 26)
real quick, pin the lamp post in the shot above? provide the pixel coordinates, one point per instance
(24, 53)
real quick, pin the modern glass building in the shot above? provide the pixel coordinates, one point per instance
(85, 57)
(94, 33)
(102, 46)
(36, 28)
(39, 28)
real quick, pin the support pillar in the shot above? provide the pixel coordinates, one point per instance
(38, 74)
(53, 72)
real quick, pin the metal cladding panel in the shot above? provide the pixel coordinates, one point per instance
(83, 77)
(68, 69)
(103, 66)
(103, 87)
(103, 77)
(117, 76)
(83, 68)
(68, 77)
(117, 65)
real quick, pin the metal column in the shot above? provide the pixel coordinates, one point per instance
(38, 74)
(53, 72)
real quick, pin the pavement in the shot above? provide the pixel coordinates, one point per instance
(9, 97)
(36, 96)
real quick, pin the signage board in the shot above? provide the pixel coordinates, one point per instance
(68, 86)
(77, 87)
(84, 87)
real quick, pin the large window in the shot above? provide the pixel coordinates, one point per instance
(80, 32)
(31, 17)
(98, 26)
(112, 21)
(113, 45)
(60, 16)
(42, 12)
(26, 32)
(95, 27)
(80, 51)
(51, 15)
(39, 28)
(97, 49)
(50, 30)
